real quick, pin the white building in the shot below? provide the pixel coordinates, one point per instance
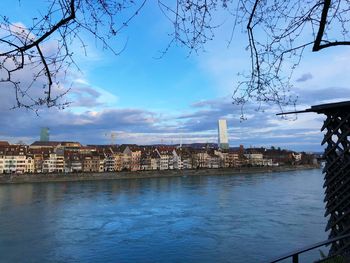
(177, 161)
(257, 159)
(164, 159)
(222, 134)
(109, 163)
(14, 164)
(55, 163)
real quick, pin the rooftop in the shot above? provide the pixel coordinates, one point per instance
(54, 143)
(323, 108)
(4, 143)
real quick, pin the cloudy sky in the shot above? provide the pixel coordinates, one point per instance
(144, 99)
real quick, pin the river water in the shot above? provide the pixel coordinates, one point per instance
(238, 218)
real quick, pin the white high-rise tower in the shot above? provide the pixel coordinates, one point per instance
(223, 137)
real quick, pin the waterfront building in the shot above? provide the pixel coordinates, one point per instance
(155, 160)
(171, 160)
(38, 162)
(91, 163)
(56, 157)
(187, 162)
(107, 157)
(2, 163)
(73, 162)
(213, 160)
(87, 150)
(257, 157)
(69, 146)
(4, 143)
(54, 164)
(164, 161)
(14, 164)
(102, 162)
(280, 157)
(2, 157)
(118, 161)
(109, 163)
(200, 159)
(146, 159)
(223, 158)
(254, 158)
(230, 158)
(165, 158)
(133, 154)
(14, 158)
(234, 159)
(222, 134)
(44, 144)
(39, 155)
(30, 164)
(186, 158)
(297, 156)
(100, 153)
(177, 160)
(126, 162)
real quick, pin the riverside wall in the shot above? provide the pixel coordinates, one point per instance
(71, 177)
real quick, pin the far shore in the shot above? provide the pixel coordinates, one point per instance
(73, 177)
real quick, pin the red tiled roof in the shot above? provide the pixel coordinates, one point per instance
(4, 143)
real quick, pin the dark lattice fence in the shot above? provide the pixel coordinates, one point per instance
(337, 181)
(337, 174)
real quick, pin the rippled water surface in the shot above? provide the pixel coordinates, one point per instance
(239, 218)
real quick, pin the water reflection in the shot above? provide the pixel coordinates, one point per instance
(245, 218)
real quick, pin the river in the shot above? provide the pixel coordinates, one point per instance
(239, 218)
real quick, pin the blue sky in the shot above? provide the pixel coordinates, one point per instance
(144, 99)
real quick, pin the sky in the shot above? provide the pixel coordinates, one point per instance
(144, 99)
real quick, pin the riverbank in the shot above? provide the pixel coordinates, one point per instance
(72, 177)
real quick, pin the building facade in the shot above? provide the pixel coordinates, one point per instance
(222, 135)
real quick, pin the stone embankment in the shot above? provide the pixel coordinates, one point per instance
(71, 177)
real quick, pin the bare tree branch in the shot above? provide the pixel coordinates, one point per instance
(44, 49)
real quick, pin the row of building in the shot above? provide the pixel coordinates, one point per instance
(70, 157)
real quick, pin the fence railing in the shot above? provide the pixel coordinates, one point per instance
(294, 255)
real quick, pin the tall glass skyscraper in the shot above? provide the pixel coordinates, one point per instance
(44, 134)
(223, 137)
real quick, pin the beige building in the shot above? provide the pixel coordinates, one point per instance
(54, 164)
(201, 159)
(133, 155)
(30, 165)
(91, 163)
(2, 164)
(118, 161)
